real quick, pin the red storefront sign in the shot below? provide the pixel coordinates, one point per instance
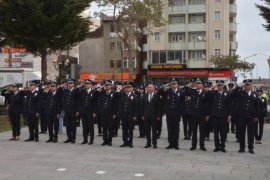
(219, 74)
(178, 73)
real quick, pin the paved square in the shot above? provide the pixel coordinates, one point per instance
(34, 161)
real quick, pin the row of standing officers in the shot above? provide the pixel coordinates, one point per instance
(197, 104)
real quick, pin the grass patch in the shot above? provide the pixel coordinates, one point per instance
(4, 124)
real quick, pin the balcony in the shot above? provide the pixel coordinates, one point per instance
(176, 45)
(197, 45)
(177, 9)
(197, 9)
(176, 28)
(187, 9)
(233, 8)
(234, 45)
(233, 27)
(196, 27)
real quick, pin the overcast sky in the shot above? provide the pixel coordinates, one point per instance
(251, 36)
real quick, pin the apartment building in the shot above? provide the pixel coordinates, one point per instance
(196, 31)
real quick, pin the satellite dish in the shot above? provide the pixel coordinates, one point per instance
(200, 38)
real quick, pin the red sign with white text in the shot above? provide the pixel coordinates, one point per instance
(218, 74)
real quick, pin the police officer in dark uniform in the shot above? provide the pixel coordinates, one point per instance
(52, 111)
(32, 111)
(140, 111)
(98, 109)
(208, 124)
(14, 99)
(127, 111)
(219, 111)
(108, 108)
(233, 120)
(262, 101)
(248, 114)
(173, 107)
(87, 110)
(151, 114)
(187, 112)
(70, 105)
(43, 100)
(198, 109)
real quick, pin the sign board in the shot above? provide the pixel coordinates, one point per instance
(7, 78)
(166, 67)
(20, 58)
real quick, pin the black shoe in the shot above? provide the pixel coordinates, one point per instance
(185, 138)
(223, 150)
(158, 137)
(67, 141)
(147, 146)
(124, 145)
(203, 149)
(12, 139)
(55, 140)
(188, 138)
(169, 147)
(91, 142)
(36, 140)
(216, 150)
(100, 134)
(104, 143)
(192, 148)
(251, 151)
(241, 150)
(73, 141)
(28, 140)
(176, 148)
(155, 146)
(84, 142)
(49, 140)
(109, 144)
(130, 145)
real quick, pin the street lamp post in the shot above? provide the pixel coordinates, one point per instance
(268, 60)
(247, 58)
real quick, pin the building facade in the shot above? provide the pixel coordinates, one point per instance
(196, 31)
(103, 55)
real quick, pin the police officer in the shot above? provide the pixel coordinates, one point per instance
(151, 115)
(208, 124)
(220, 114)
(70, 105)
(173, 104)
(52, 111)
(108, 108)
(127, 111)
(32, 111)
(187, 112)
(43, 100)
(234, 118)
(262, 101)
(140, 111)
(87, 110)
(198, 109)
(248, 114)
(14, 99)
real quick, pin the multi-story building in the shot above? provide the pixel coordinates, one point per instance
(196, 31)
(104, 55)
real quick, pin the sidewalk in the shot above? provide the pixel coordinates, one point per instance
(34, 161)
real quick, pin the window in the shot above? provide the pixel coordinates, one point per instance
(180, 57)
(162, 57)
(197, 55)
(112, 45)
(112, 63)
(217, 52)
(197, 36)
(196, 19)
(217, 16)
(177, 2)
(196, 2)
(126, 62)
(112, 28)
(177, 37)
(132, 45)
(217, 0)
(177, 20)
(155, 57)
(217, 34)
(157, 36)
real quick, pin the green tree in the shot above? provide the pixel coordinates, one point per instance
(43, 26)
(232, 62)
(131, 18)
(265, 13)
